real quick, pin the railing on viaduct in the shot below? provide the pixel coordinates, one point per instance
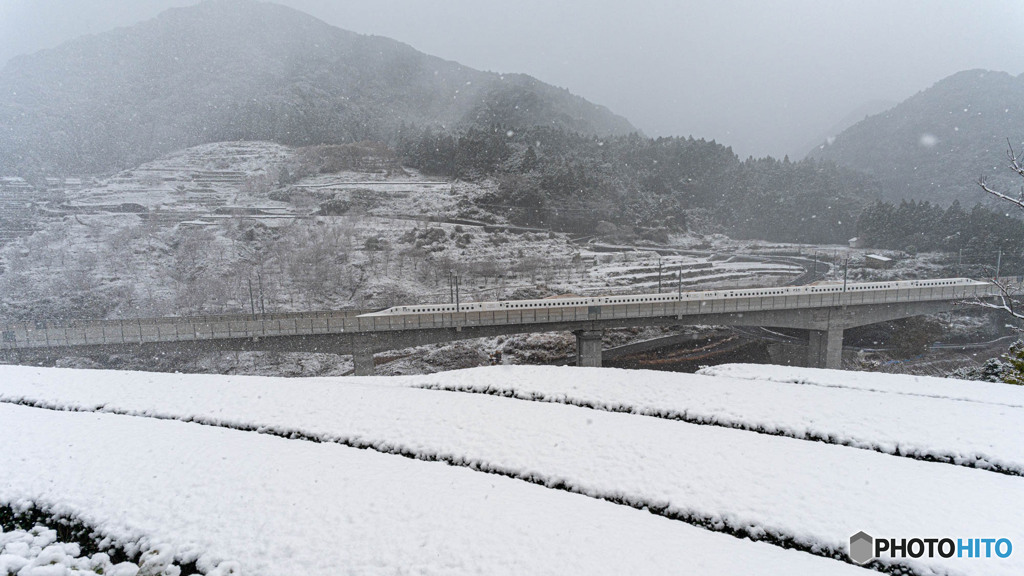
(174, 329)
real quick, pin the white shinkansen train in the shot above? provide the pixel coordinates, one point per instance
(577, 301)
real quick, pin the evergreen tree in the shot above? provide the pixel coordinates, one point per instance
(993, 370)
(1013, 368)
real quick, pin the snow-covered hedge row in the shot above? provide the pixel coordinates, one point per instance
(37, 552)
(72, 548)
(286, 507)
(905, 416)
(808, 495)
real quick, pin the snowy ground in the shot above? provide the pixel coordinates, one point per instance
(569, 455)
(920, 386)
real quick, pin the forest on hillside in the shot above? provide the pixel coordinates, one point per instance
(571, 182)
(976, 235)
(649, 187)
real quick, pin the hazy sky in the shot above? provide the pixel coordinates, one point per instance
(765, 77)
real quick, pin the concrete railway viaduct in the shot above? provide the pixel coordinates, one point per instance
(824, 314)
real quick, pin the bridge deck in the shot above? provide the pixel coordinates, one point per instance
(149, 330)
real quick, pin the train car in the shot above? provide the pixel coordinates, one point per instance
(582, 301)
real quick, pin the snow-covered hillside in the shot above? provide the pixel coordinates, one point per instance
(520, 469)
(238, 227)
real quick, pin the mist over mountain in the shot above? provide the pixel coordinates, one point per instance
(935, 145)
(247, 70)
(869, 108)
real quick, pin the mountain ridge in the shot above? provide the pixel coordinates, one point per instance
(248, 70)
(936, 144)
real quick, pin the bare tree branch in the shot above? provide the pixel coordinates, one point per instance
(1019, 201)
(1006, 300)
(1015, 160)
(1009, 298)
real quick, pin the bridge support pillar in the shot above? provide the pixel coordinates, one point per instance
(825, 348)
(362, 359)
(588, 348)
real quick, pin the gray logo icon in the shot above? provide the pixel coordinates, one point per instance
(862, 547)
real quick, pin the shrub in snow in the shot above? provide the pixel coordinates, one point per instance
(1013, 368)
(1008, 369)
(456, 357)
(77, 362)
(429, 237)
(158, 561)
(991, 371)
(226, 569)
(375, 244)
(37, 552)
(63, 546)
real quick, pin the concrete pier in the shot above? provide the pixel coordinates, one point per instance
(362, 359)
(825, 348)
(588, 348)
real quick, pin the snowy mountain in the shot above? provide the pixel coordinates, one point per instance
(935, 145)
(248, 70)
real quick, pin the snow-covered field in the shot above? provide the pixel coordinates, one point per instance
(287, 507)
(855, 409)
(551, 470)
